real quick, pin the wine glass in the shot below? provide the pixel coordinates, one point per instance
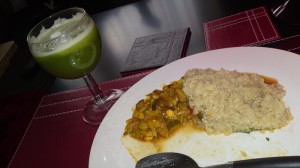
(67, 44)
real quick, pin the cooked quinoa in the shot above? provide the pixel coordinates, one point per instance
(230, 101)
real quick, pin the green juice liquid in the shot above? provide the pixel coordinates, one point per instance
(76, 59)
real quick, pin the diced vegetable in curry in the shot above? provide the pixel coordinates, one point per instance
(160, 113)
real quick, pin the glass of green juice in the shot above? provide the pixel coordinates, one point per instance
(67, 44)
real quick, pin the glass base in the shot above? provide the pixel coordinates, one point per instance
(95, 111)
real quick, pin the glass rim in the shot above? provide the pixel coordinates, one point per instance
(52, 15)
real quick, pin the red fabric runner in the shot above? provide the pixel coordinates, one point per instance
(242, 29)
(57, 136)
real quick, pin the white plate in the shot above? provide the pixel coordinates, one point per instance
(107, 150)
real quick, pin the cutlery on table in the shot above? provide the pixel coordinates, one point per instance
(177, 160)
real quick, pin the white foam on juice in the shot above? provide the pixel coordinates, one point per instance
(54, 40)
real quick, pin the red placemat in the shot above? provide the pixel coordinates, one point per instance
(16, 111)
(241, 29)
(57, 136)
(291, 44)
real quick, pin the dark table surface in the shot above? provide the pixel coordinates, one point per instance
(120, 26)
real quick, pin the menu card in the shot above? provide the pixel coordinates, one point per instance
(151, 52)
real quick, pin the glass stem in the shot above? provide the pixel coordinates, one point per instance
(94, 88)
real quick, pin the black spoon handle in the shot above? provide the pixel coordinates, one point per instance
(272, 162)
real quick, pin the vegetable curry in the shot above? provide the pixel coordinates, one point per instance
(161, 113)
